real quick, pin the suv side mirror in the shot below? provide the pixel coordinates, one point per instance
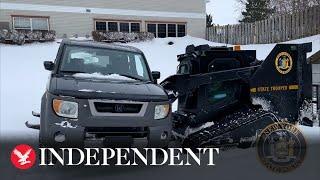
(155, 75)
(48, 65)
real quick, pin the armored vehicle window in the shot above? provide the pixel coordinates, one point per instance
(184, 68)
(217, 93)
(77, 59)
(220, 64)
(222, 91)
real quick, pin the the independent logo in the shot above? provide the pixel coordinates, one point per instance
(23, 156)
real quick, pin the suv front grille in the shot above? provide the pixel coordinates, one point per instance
(117, 107)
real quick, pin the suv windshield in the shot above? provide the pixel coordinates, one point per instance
(104, 62)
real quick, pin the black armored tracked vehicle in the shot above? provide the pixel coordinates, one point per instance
(225, 96)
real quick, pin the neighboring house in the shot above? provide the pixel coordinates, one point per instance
(315, 60)
(164, 18)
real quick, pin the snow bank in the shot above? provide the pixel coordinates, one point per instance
(22, 83)
(264, 49)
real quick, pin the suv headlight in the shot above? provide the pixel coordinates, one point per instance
(161, 111)
(65, 108)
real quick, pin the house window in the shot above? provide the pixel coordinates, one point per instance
(40, 24)
(135, 27)
(181, 30)
(172, 30)
(21, 23)
(113, 26)
(152, 28)
(117, 26)
(124, 27)
(162, 30)
(101, 26)
(30, 23)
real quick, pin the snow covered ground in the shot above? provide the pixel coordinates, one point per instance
(23, 78)
(264, 49)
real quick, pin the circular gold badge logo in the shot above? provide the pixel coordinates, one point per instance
(281, 147)
(284, 63)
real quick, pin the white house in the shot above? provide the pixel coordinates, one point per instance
(164, 18)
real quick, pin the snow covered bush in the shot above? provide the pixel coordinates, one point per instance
(121, 36)
(17, 38)
(146, 36)
(4, 34)
(22, 36)
(49, 35)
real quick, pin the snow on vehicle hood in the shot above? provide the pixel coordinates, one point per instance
(104, 89)
(101, 76)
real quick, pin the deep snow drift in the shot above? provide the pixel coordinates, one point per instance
(23, 78)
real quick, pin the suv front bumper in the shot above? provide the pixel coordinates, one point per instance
(92, 130)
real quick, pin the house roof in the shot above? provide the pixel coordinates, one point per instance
(315, 58)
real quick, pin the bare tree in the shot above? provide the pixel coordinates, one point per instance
(292, 6)
(289, 6)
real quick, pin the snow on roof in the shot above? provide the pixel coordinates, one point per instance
(315, 58)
